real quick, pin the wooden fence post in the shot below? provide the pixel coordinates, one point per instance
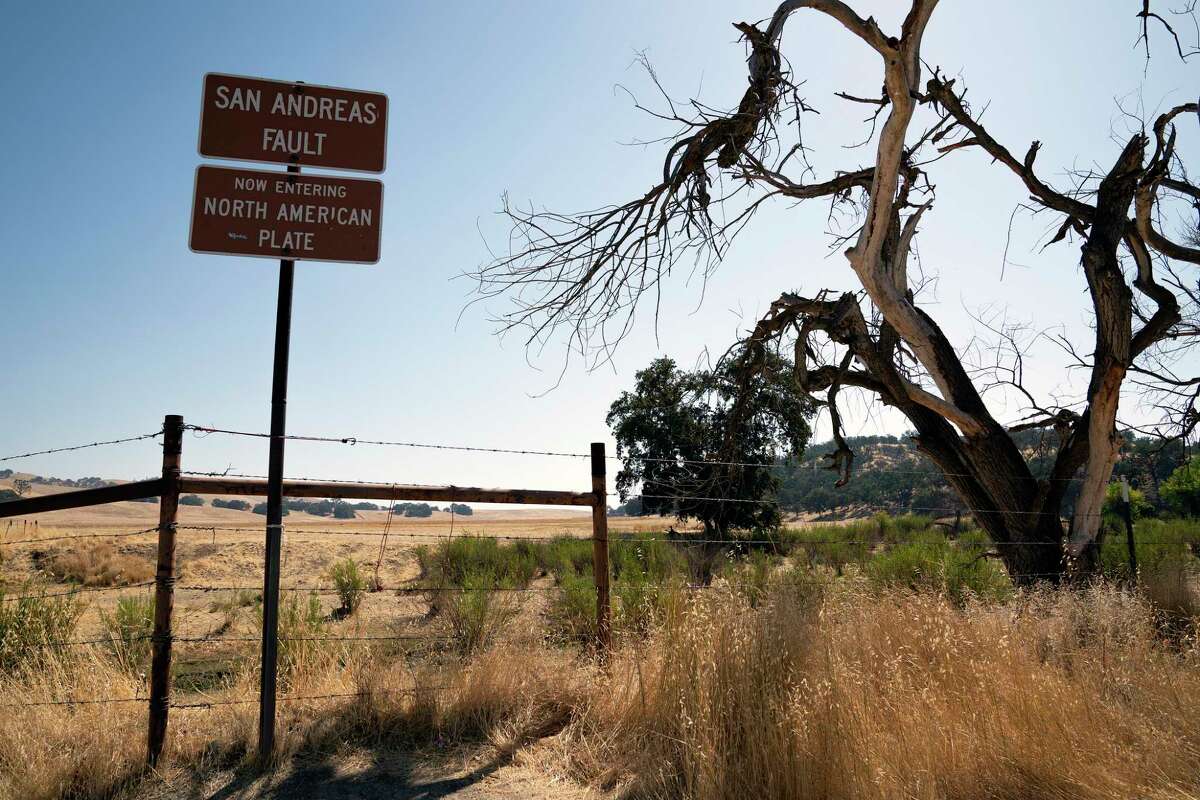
(600, 550)
(164, 588)
(1127, 513)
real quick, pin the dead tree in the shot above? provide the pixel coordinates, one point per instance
(586, 273)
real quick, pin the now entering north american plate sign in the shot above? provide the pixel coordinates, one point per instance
(286, 215)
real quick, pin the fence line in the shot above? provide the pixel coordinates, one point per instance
(355, 440)
(625, 539)
(172, 483)
(677, 497)
(294, 698)
(212, 703)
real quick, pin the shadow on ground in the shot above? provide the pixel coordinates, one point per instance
(400, 775)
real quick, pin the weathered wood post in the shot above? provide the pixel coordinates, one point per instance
(164, 588)
(600, 550)
(1127, 512)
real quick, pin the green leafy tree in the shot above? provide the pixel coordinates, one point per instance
(675, 424)
(1181, 491)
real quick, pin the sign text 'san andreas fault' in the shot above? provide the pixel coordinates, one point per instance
(253, 119)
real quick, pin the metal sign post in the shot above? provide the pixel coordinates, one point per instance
(274, 542)
(315, 218)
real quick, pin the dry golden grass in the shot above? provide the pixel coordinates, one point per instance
(100, 563)
(1060, 694)
(839, 693)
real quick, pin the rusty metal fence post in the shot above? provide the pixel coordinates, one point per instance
(600, 550)
(164, 588)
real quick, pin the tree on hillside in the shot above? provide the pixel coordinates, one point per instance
(674, 424)
(233, 505)
(417, 510)
(584, 275)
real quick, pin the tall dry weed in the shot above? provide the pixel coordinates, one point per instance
(827, 691)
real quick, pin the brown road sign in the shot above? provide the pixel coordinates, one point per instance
(252, 119)
(242, 212)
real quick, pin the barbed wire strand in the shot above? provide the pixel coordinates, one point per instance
(80, 590)
(112, 535)
(83, 446)
(333, 695)
(633, 539)
(211, 703)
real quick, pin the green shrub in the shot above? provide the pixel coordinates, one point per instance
(475, 611)
(573, 609)
(751, 578)
(641, 602)
(901, 528)
(834, 546)
(31, 626)
(302, 630)
(646, 556)
(129, 628)
(191, 500)
(453, 561)
(565, 557)
(350, 584)
(930, 560)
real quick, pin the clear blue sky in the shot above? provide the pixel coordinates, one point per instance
(110, 321)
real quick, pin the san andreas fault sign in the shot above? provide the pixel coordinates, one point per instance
(252, 119)
(286, 215)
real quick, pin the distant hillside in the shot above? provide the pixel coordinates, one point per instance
(891, 475)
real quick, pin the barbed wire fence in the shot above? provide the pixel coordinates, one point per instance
(177, 480)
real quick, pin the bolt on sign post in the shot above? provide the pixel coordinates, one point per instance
(242, 212)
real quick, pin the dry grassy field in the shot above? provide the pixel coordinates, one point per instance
(220, 551)
(801, 673)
